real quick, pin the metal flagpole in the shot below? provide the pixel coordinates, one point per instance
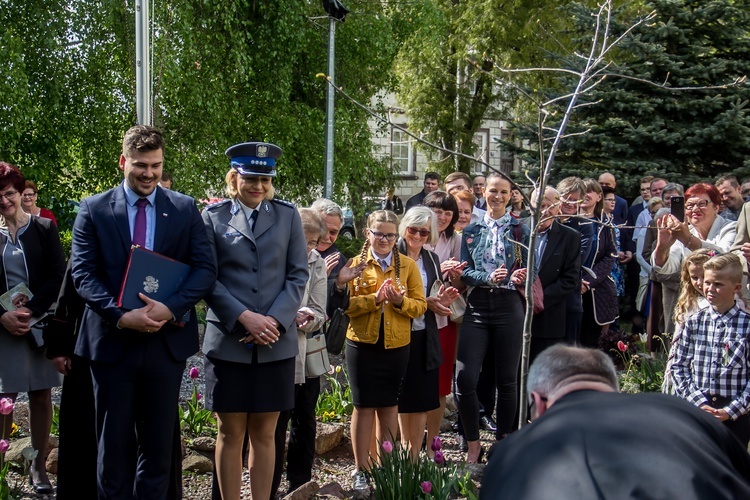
(142, 63)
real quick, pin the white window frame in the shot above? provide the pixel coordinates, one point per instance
(399, 139)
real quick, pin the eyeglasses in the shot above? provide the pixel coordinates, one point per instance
(700, 205)
(312, 243)
(746, 192)
(28, 195)
(383, 236)
(8, 195)
(610, 200)
(424, 233)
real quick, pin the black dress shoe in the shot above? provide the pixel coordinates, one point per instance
(463, 445)
(40, 489)
(486, 423)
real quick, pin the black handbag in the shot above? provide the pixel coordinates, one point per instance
(336, 331)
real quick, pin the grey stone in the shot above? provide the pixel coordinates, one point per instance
(328, 437)
(204, 443)
(450, 404)
(332, 490)
(197, 463)
(13, 455)
(307, 490)
(52, 461)
(446, 425)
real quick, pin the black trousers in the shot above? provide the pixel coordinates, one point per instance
(493, 323)
(136, 410)
(302, 425)
(77, 452)
(739, 427)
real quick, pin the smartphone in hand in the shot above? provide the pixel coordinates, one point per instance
(677, 207)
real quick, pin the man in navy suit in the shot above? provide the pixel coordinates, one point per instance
(138, 356)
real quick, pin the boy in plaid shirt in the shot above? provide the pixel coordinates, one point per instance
(711, 368)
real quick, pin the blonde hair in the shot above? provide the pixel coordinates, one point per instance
(381, 216)
(231, 180)
(312, 221)
(728, 263)
(688, 299)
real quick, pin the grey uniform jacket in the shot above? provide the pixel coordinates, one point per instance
(263, 271)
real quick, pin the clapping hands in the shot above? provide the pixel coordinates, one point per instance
(389, 293)
(440, 304)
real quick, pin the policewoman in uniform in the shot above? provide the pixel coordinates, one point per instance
(251, 336)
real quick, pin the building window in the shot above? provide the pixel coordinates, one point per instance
(507, 159)
(481, 150)
(402, 152)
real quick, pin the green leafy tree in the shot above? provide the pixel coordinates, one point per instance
(669, 106)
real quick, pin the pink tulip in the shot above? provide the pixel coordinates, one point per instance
(198, 396)
(622, 346)
(426, 487)
(387, 446)
(439, 458)
(194, 373)
(436, 444)
(4, 445)
(6, 406)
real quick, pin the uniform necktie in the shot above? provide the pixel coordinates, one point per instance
(253, 219)
(139, 227)
(383, 264)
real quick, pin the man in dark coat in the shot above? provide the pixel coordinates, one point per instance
(588, 441)
(431, 183)
(558, 250)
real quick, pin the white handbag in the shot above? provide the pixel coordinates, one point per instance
(316, 357)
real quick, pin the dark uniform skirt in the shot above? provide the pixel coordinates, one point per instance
(419, 391)
(375, 373)
(249, 387)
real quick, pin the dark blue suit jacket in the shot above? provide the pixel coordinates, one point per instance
(101, 247)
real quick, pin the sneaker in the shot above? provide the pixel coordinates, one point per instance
(360, 481)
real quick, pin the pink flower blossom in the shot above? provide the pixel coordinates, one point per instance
(426, 487)
(439, 458)
(622, 346)
(6, 406)
(387, 446)
(198, 396)
(436, 444)
(4, 445)
(194, 373)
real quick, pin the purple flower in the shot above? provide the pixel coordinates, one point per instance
(194, 373)
(439, 458)
(436, 444)
(198, 396)
(6, 406)
(426, 487)
(387, 446)
(4, 445)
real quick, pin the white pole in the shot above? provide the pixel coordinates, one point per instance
(328, 172)
(142, 63)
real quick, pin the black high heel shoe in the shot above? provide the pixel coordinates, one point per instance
(480, 457)
(40, 489)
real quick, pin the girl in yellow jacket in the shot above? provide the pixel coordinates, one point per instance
(384, 299)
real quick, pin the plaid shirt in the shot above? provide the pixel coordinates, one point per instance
(712, 358)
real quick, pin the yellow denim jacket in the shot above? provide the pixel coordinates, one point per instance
(365, 315)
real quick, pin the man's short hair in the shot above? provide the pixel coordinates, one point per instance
(570, 185)
(454, 176)
(142, 138)
(646, 179)
(432, 175)
(673, 186)
(534, 198)
(328, 207)
(727, 263)
(560, 362)
(166, 176)
(657, 179)
(732, 180)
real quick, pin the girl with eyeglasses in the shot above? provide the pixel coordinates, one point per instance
(384, 300)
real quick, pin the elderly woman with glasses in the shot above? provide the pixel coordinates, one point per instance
(419, 392)
(28, 202)
(703, 227)
(33, 264)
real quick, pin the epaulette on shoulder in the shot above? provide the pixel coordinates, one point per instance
(217, 204)
(284, 202)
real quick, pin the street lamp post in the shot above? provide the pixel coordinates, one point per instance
(336, 12)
